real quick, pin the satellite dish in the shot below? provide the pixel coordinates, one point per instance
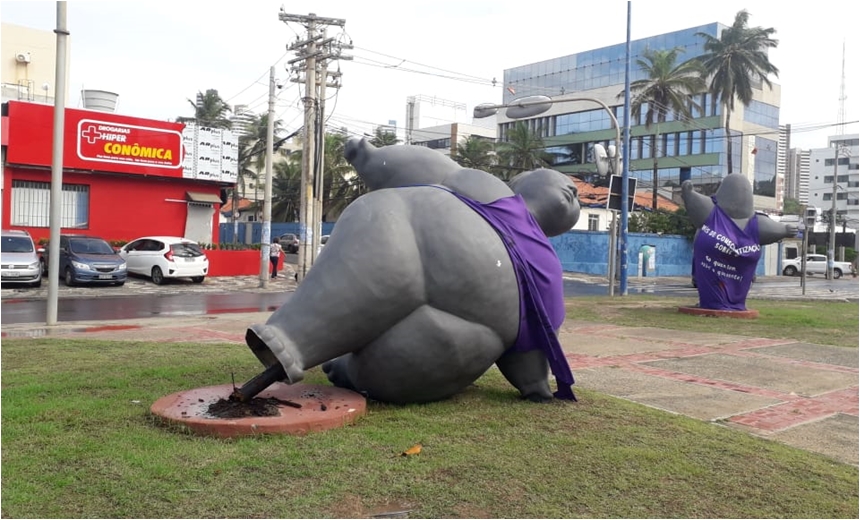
(600, 161)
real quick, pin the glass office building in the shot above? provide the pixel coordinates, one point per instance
(692, 149)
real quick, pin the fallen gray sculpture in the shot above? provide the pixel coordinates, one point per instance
(415, 295)
(727, 248)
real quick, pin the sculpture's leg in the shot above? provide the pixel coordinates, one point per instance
(528, 372)
(366, 282)
(428, 356)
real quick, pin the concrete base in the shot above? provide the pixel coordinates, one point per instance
(321, 408)
(748, 314)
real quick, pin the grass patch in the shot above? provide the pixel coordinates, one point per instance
(78, 441)
(821, 322)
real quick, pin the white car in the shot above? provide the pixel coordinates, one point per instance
(816, 264)
(160, 257)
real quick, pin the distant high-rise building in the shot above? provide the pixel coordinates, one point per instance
(797, 175)
(840, 157)
(693, 149)
(241, 118)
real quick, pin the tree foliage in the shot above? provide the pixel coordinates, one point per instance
(662, 222)
(209, 110)
(736, 62)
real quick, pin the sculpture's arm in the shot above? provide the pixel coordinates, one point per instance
(770, 231)
(698, 206)
(477, 185)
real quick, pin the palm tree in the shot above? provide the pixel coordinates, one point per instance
(524, 150)
(209, 110)
(476, 152)
(667, 89)
(383, 138)
(735, 62)
(286, 189)
(341, 185)
(252, 148)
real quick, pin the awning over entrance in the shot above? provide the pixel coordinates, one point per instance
(207, 198)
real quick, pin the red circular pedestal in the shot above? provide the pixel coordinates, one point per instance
(748, 314)
(322, 408)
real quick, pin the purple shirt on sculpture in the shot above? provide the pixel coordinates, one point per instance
(725, 259)
(540, 279)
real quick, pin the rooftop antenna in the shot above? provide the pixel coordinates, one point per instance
(840, 120)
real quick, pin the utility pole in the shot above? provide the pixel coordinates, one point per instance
(57, 166)
(267, 191)
(313, 53)
(831, 245)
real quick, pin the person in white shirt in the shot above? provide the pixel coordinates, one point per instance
(275, 256)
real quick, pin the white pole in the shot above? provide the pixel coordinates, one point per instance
(57, 165)
(267, 192)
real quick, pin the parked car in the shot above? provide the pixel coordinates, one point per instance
(87, 259)
(323, 240)
(19, 260)
(816, 264)
(160, 257)
(290, 243)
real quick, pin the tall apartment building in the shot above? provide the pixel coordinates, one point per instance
(693, 149)
(797, 175)
(839, 158)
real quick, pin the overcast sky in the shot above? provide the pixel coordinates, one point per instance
(156, 55)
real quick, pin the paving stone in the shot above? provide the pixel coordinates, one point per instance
(603, 345)
(760, 372)
(826, 354)
(693, 400)
(835, 436)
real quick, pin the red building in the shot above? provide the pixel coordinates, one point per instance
(123, 177)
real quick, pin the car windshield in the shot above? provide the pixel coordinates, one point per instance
(90, 246)
(186, 249)
(17, 245)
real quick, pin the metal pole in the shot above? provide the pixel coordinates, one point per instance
(57, 165)
(612, 267)
(319, 174)
(625, 173)
(267, 192)
(831, 245)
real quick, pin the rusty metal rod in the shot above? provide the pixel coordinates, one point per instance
(249, 390)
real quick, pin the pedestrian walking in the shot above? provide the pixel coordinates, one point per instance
(275, 256)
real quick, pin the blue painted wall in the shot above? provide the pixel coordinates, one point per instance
(579, 251)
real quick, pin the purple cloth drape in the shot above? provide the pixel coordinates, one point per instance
(725, 259)
(541, 285)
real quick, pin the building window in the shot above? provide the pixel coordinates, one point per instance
(31, 205)
(593, 222)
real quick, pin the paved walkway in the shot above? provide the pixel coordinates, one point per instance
(797, 393)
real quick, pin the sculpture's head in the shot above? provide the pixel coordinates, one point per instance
(551, 197)
(735, 196)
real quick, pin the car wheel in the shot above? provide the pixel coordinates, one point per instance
(790, 271)
(37, 283)
(197, 279)
(69, 277)
(837, 273)
(119, 284)
(157, 276)
(44, 266)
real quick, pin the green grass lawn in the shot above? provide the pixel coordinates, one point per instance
(78, 441)
(812, 321)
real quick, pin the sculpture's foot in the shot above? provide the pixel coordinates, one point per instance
(539, 397)
(271, 346)
(335, 370)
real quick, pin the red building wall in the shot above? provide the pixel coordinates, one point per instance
(130, 195)
(121, 207)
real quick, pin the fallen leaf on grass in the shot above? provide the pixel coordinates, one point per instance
(414, 450)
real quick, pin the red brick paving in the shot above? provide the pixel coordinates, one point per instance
(794, 409)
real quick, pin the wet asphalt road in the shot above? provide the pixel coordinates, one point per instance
(106, 308)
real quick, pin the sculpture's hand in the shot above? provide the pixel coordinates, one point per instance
(686, 187)
(791, 230)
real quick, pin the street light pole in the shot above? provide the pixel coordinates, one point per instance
(534, 105)
(625, 170)
(267, 191)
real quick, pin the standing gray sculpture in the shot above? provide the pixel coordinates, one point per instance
(727, 246)
(428, 280)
